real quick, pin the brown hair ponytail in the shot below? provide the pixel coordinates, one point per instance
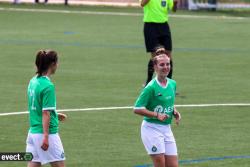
(44, 59)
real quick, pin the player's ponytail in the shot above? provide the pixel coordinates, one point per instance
(158, 50)
(44, 59)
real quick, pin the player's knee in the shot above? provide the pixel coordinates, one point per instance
(158, 160)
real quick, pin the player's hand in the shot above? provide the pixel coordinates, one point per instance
(162, 117)
(177, 116)
(62, 117)
(45, 144)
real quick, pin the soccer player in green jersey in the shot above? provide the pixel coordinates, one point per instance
(157, 30)
(156, 104)
(43, 140)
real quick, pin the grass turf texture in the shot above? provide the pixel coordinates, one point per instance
(103, 63)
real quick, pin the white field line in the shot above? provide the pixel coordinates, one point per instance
(131, 107)
(117, 13)
(70, 12)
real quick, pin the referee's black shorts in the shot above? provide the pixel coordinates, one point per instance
(157, 34)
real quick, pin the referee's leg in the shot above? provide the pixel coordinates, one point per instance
(150, 71)
(151, 41)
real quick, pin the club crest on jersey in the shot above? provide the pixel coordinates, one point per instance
(163, 3)
(159, 94)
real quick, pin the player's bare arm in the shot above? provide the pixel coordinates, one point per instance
(46, 121)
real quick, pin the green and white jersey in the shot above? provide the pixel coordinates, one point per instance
(41, 96)
(156, 11)
(157, 98)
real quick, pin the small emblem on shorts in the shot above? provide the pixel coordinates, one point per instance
(62, 155)
(154, 149)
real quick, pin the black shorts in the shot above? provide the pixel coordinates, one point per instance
(157, 34)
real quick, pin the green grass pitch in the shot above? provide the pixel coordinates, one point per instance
(103, 63)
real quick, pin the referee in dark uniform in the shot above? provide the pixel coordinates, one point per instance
(156, 29)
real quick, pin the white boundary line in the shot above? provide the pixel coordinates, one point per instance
(130, 107)
(70, 12)
(80, 2)
(117, 13)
